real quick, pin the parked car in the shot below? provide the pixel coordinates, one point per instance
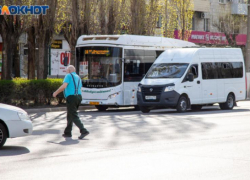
(14, 122)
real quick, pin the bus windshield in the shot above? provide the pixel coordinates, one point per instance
(100, 67)
(167, 70)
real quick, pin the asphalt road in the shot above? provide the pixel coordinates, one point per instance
(124, 144)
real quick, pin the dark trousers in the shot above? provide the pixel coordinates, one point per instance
(73, 102)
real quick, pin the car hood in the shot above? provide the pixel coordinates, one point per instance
(157, 81)
(11, 108)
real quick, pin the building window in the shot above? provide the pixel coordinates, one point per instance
(206, 25)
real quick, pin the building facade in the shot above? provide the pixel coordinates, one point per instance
(213, 18)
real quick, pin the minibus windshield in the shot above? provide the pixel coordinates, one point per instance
(167, 70)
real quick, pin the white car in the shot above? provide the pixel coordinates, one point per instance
(14, 122)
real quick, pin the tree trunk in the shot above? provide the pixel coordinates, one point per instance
(31, 52)
(111, 22)
(166, 18)
(41, 54)
(7, 56)
(46, 54)
(16, 59)
(183, 21)
(73, 55)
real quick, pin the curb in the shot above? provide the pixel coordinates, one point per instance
(81, 108)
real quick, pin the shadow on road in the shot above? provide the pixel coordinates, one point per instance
(13, 151)
(201, 112)
(67, 142)
(43, 132)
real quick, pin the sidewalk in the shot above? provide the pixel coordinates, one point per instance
(55, 109)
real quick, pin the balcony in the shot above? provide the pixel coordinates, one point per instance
(239, 9)
(202, 5)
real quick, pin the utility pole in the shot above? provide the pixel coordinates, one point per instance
(248, 39)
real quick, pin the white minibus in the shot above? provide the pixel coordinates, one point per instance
(193, 77)
(111, 66)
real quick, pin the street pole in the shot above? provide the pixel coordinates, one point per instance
(248, 39)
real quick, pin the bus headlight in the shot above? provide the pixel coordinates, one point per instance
(169, 88)
(23, 117)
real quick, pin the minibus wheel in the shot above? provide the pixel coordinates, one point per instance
(182, 105)
(101, 108)
(196, 107)
(229, 104)
(144, 109)
(3, 135)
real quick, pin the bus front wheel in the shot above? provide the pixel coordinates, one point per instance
(182, 105)
(101, 108)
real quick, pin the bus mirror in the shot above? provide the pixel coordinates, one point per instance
(65, 61)
(190, 77)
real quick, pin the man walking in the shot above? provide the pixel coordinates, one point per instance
(72, 91)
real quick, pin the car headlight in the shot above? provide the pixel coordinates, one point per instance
(139, 89)
(113, 95)
(169, 88)
(23, 116)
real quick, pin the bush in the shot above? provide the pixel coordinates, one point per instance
(29, 92)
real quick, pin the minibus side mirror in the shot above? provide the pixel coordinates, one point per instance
(190, 77)
(65, 61)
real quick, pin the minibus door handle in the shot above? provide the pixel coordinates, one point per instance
(198, 82)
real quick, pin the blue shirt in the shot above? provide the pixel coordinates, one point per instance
(70, 89)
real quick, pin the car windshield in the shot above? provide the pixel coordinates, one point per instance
(167, 70)
(100, 67)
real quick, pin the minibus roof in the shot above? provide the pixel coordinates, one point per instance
(205, 54)
(133, 40)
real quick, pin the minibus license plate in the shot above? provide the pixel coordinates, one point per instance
(150, 97)
(94, 103)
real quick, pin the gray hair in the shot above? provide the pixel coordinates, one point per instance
(71, 68)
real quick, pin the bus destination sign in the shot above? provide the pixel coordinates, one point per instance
(97, 52)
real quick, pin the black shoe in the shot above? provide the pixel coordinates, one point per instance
(83, 135)
(67, 135)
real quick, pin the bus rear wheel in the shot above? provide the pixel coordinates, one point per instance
(101, 108)
(229, 104)
(144, 109)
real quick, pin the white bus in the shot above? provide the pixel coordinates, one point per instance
(111, 66)
(194, 77)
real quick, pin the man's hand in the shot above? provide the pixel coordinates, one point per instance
(60, 89)
(54, 94)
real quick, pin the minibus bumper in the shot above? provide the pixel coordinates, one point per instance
(165, 99)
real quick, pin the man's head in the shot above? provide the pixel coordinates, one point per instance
(71, 69)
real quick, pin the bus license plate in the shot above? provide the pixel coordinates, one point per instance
(94, 103)
(150, 97)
